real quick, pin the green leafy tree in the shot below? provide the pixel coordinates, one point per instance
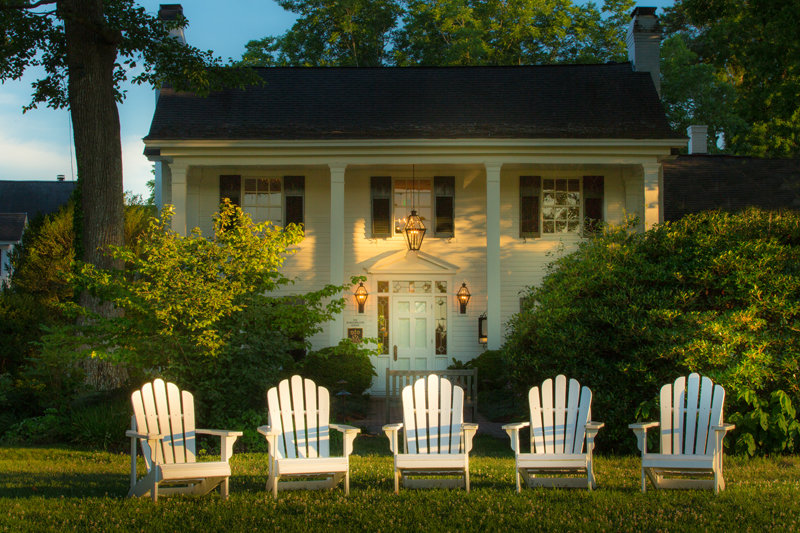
(693, 93)
(196, 310)
(753, 46)
(713, 293)
(86, 49)
(347, 33)
(439, 32)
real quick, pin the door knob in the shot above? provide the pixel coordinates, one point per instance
(395, 352)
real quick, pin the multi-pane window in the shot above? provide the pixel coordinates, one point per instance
(561, 205)
(410, 194)
(279, 200)
(393, 200)
(262, 199)
(554, 206)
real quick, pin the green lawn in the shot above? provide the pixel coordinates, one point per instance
(67, 490)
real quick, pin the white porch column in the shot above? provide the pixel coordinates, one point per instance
(179, 197)
(493, 319)
(337, 242)
(653, 194)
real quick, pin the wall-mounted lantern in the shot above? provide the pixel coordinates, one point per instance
(415, 231)
(483, 338)
(361, 296)
(463, 296)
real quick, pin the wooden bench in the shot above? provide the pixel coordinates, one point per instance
(466, 379)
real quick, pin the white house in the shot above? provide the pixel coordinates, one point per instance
(502, 164)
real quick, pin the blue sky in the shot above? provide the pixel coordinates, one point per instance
(38, 144)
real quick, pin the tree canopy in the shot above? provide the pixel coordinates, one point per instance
(735, 65)
(85, 49)
(439, 32)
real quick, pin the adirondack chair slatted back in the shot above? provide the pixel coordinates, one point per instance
(689, 408)
(299, 411)
(433, 413)
(559, 416)
(161, 407)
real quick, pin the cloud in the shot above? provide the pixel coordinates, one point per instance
(136, 169)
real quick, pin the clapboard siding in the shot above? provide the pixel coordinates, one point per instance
(523, 262)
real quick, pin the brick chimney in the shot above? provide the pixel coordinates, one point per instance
(698, 139)
(644, 42)
(170, 12)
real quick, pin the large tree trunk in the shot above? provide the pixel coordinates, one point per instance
(91, 48)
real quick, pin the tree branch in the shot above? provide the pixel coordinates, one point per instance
(27, 6)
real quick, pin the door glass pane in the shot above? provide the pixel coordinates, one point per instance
(403, 308)
(441, 325)
(441, 287)
(383, 286)
(420, 332)
(420, 308)
(383, 323)
(403, 332)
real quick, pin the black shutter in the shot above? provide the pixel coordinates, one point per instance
(230, 187)
(444, 196)
(381, 188)
(593, 190)
(294, 188)
(529, 191)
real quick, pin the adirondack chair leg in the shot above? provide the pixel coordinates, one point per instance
(154, 492)
(519, 485)
(466, 479)
(347, 483)
(223, 489)
(397, 482)
(275, 487)
(644, 481)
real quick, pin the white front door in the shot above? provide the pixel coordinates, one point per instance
(412, 335)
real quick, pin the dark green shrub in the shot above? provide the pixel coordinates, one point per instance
(766, 426)
(497, 399)
(714, 293)
(342, 368)
(101, 422)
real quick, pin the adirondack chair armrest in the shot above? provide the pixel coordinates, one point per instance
(349, 433)
(267, 431)
(220, 432)
(512, 430)
(147, 436)
(724, 428)
(391, 431)
(640, 430)
(227, 438)
(593, 427)
(468, 429)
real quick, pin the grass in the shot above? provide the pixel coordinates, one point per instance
(53, 489)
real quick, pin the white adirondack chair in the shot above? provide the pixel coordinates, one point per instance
(559, 426)
(691, 435)
(437, 440)
(298, 435)
(163, 423)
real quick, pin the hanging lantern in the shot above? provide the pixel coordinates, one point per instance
(361, 296)
(463, 296)
(415, 231)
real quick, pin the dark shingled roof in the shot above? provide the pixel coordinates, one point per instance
(553, 101)
(694, 183)
(34, 197)
(11, 226)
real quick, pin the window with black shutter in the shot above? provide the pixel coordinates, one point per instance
(593, 187)
(230, 187)
(381, 191)
(444, 192)
(529, 193)
(294, 195)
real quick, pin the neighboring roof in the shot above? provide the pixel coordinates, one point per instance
(34, 197)
(551, 101)
(694, 183)
(11, 226)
